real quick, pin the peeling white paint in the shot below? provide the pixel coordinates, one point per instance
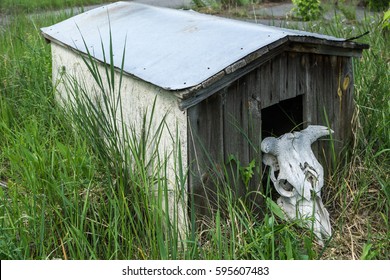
(137, 97)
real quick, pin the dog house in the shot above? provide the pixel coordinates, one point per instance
(222, 84)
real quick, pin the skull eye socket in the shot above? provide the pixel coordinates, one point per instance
(285, 185)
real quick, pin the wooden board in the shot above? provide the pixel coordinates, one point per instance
(205, 151)
(236, 147)
(223, 128)
(230, 121)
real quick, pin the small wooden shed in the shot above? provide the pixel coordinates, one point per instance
(224, 84)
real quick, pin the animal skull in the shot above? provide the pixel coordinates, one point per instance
(298, 177)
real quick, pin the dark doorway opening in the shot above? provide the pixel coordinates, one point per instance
(283, 117)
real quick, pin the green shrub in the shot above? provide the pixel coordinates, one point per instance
(377, 5)
(307, 9)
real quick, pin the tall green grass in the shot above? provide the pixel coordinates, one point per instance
(360, 189)
(78, 186)
(134, 166)
(40, 162)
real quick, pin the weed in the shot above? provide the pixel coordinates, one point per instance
(307, 9)
(67, 192)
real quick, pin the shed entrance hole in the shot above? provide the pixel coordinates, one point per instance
(283, 117)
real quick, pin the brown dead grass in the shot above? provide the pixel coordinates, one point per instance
(358, 212)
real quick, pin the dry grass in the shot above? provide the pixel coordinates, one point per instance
(63, 201)
(359, 213)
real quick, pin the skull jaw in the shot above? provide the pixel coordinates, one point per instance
(311, 213)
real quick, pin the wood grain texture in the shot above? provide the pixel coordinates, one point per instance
(230, 121)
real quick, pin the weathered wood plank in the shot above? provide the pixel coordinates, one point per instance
(275, 80)
(347, 107)
(255, 138)
(269, 84)
(236, 142)
(325, 78)
(308, 76)
(205, 150)
(230, 121)
(320, 80)
(254, 115)
(283, 74)
(293, 68)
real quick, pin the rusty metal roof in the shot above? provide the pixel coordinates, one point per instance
(173, 49)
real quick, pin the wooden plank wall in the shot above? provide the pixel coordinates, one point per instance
(230, 121)
(328, 101)
(205, 151)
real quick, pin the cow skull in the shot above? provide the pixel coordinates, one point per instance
(298, 177)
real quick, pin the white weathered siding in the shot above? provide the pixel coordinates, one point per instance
(137, 97)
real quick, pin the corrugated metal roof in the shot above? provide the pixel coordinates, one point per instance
(173, 49)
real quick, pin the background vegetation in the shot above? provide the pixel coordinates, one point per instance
(12, 6)
(63, 196)
(302, 9)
